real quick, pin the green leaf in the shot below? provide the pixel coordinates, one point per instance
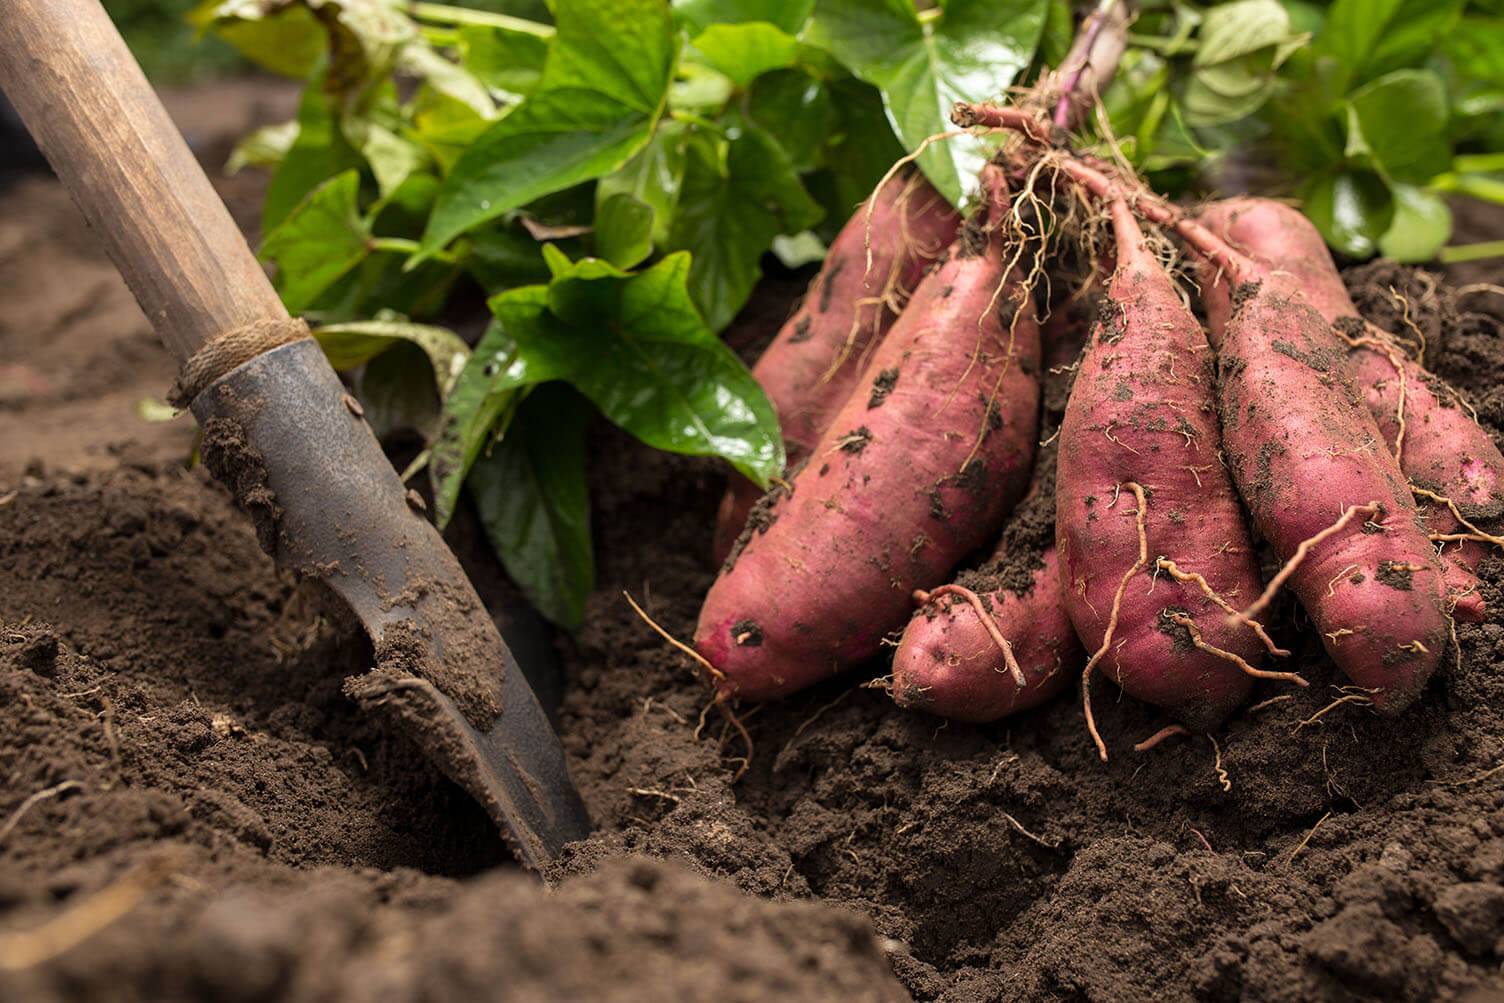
(484, 392)
(1367, 38)
(636, 346)
(533, 502)
(1352, 210)
(366, 39)
(652, 177)
(321, 240)
(379, 284)
(1059, 31)
(404, 209)
(699, 88)
(444, 127)
(318, 154)
(799, 250)
(623, 229)
(602, 89)
(263, 147)
(1225, 92)
(389, 396)
(1476, 48)
(154, 411)
(861, 148)
(1402, 116)
(1241, 28)
(363, 38)
(502, 258)
(736, 198)
(288, 40)
(375, 130)
(448, 78)
(559, 263)
(507, 60)
(1422, 223)
(787, 15)
(1241, 45)
(1306, 16)
(795, 106)
(972, 52)
(356, 343)
(745, 51)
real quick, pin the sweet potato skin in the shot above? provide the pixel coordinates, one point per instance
(1304, 448)
(813, 362)
(895, 493)
(948, 664)
(1142, 411)
(1444, 450)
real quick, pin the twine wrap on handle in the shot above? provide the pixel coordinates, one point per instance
(234, 348)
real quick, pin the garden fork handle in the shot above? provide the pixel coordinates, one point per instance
(89, 107)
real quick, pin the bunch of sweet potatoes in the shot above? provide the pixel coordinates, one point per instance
(909, 383)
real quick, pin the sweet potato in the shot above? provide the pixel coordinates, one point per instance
(813, 362)
(1304, 451)
(1441, 449)
(1307, 456)
(918, 468)
(1308, 459)
(1143, 505)
(948, 662)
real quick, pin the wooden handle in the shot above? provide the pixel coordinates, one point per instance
(88, 105)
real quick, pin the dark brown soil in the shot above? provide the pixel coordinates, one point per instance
(191, 810)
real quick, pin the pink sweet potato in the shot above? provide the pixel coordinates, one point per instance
(918, 468)
(1308, 459)
(813, 362)
(948, 662)
(1304, 451)
(1306, 454)
(1443, 450)
(1139, 480)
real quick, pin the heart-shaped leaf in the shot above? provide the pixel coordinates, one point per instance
(972, 51)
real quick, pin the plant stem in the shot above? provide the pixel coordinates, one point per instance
(402, 245)
(1470, 163)
(1094, 24)
(1471, 252)
(442, 37)
(445, 14)
(690, 118)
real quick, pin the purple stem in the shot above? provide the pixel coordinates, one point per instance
(1093, 29)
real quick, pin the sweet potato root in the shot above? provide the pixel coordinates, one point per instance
(1441, 449)
(917, 469)
(950, 663)
(1143, 505)
(813, 362)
